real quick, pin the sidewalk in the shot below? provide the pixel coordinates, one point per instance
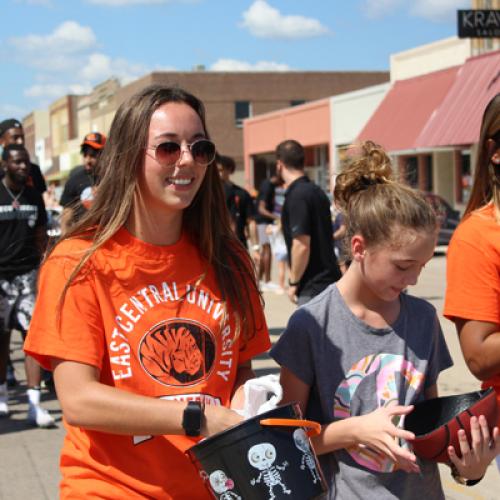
(29, 456)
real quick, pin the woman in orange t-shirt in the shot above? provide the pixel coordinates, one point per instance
(148, 309)
(473, 263)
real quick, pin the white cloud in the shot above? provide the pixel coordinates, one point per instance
(380, 8)
(433, 10)
(11, 110)
(264, 21)
(68, 38)
(67, 62)
(120, 3)
(235, 65)
(100, 67)
(441, 10)
(55, 90)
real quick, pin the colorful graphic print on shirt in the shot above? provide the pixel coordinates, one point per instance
(388, 371)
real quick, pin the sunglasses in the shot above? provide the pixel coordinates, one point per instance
(169, 153)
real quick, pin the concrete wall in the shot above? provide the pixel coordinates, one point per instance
(444, 175)
(349, 114)
(431, 57)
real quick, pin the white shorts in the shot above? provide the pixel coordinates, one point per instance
(17, 300)
(263, 236)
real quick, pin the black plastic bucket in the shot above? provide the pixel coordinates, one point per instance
(267, 456)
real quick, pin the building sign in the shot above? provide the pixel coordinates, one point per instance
(479, 23)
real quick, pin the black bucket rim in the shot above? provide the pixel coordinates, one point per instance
(479, 394)
(243, 429)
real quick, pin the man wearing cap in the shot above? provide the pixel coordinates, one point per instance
(23, 239)
(11, 132)
(79, 189)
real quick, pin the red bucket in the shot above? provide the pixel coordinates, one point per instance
(266, 456)
(435, 422)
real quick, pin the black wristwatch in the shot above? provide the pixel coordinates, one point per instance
(462, 480)
(293, 283)
(192, 418)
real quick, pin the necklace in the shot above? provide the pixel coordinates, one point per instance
(15, 203)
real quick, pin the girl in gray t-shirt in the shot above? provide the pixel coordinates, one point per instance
(360, 350)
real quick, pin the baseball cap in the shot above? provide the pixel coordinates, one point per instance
(95, 140)
(8, 124)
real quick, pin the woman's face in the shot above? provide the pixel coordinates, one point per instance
(171, 187)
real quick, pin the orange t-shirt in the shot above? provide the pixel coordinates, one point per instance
(150, 318)
(473, 273)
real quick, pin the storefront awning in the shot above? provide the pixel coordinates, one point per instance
(458, 119)
(406, 109)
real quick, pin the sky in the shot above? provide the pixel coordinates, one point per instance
(49, 48)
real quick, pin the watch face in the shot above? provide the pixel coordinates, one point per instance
(191, 420)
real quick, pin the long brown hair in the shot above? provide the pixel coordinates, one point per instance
(374, 204)
(206, 220)
(486, 186)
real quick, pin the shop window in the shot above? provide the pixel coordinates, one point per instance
(412, 171)
(429, 185)
(466, 177)
(242, 110)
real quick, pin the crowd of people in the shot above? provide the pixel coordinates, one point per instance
(148, 308)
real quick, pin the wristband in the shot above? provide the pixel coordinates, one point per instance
(462, 480)
(293, 283)
(192, 418)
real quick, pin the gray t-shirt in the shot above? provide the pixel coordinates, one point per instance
(353, 369)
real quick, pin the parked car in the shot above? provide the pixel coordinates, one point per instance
(448, 217)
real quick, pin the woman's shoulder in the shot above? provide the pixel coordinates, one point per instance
(477, 222)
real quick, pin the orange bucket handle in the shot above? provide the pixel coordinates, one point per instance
(313, 428)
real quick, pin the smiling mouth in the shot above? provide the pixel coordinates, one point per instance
(180, 181)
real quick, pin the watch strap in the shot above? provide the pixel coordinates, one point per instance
(192, 418)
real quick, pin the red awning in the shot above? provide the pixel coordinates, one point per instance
(406, 109)
(458, 119)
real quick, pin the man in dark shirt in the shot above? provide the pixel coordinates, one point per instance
(238, 201)
(11, 132)
(78, 191)
(264, 216)
(307, 227)
(22, 242)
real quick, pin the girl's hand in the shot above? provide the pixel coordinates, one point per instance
(378, 432)
(485, 447)
(218, 419)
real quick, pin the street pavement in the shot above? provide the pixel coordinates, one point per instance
(29, 457)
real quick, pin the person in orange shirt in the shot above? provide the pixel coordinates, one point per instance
(148, 312)
(473, 264)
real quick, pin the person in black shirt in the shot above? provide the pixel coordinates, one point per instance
(78, 191)
(22, 242)
(265, 215)
(307, 227)
(238, 201)
(11, 132)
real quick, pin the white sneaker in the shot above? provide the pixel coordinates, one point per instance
(271, 287)
(40, 417)
(4, 398)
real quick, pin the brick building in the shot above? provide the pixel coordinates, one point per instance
(231, 97)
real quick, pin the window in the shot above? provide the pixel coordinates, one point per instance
(297, 102)
(242, 110)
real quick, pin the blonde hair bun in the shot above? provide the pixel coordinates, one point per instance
(371, 166)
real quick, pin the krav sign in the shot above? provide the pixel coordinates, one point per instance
(478, 23)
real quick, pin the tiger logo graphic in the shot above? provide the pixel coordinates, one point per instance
(178, 352)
